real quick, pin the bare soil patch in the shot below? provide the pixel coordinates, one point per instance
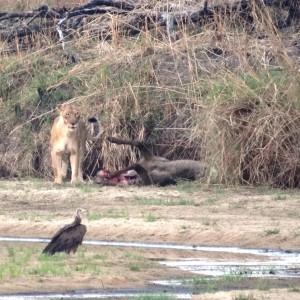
(186, 214)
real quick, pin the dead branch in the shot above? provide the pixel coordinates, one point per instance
(44, 11)
(113, 3)
(136, 18)
(22, 31)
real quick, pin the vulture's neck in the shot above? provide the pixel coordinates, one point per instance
(77, 220)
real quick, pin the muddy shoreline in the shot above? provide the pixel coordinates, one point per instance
(187, 215)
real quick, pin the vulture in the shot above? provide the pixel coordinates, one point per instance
(69, 237)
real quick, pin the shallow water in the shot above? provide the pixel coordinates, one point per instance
(284, 268)
(279, 264)
(109, 294)
(263, 264)
(233, 250)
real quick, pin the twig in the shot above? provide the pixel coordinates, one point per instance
(60, 33)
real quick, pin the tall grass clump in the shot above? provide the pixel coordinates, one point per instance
(226, 93)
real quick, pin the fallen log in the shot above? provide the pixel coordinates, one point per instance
(135, 17)
(113, 3)
(44, 11)
(28, 31)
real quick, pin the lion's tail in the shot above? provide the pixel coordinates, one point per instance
(94, 126)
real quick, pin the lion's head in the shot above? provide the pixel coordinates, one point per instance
(70, 114)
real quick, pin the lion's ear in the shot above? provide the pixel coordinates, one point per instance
(59, 107)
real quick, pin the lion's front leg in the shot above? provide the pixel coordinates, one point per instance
(74, 167)
(80, 174)
(80, 160)
(56, 167)
(64, 165)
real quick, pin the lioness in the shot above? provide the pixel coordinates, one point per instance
(68, 137)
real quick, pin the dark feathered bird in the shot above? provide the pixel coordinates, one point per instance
(69, 237)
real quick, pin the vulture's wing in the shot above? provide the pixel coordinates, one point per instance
(66, 239)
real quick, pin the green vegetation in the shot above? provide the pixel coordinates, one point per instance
(189, 187)
(17, 261)
(95, 215)
(212, 200)
(276, 193)
(88, 188)
(207, 285)
(111, 213)
(208, 221)
(237, 110)
(234, 282)
(243, 296)
(116, 214)
(272, 231)
(131, 256)
(294, 289)
(238, 204)
(155, 297)
(272, 271)
(297, 233)
(50, 266)
(30, 217)
(279, 197)
(151, 217)
(136, 268)
(164, 202)
(263, 285)
(185, 228)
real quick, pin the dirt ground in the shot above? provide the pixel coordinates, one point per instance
(185, 214)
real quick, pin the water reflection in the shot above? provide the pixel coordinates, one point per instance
(275, 263)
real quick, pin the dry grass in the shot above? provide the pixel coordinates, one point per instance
(26, 5)
(226, 94)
